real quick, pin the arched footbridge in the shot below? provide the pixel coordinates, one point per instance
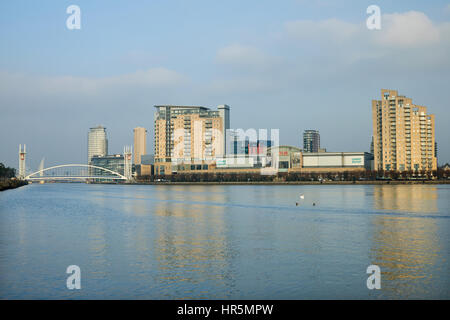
(76, 172)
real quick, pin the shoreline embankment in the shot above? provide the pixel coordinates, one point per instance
(375, 182)
(8, 184)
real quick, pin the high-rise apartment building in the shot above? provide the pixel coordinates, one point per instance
(97, 142)
(403, 134)
(140, 144)
(311, 141)
(189, 134)
(224, 114)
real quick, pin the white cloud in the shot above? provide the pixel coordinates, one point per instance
(408, 40)
(70, 85)
(157, 77)
(398, 30)
(333, 52)
(313, 53)
(330, 29)
(409, 29)
(240, 85)
(245, 69)
(243, 56)
(23, 93)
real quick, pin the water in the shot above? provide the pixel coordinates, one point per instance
(225, 242)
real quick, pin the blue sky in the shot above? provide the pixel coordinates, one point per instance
(292, 65)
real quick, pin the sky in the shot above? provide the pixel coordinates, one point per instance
(290, 65)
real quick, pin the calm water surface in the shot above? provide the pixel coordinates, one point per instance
(224, 242)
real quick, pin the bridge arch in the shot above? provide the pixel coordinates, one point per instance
(33, 176)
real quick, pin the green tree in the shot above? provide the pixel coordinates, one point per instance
(6, 172)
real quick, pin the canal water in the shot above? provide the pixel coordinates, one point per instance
(225, 242)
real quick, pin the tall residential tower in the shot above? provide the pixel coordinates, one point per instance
(189, 134)
(140, 144)
(97, 142)
(403, 134)
(311, 141)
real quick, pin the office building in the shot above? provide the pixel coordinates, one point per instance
(334, 160)
(145, 168)
(285, 158)
(224, 114)
(189, 135)
(403, 134)
(436, 150)
(97, 142)
(140, 144)
(250, 148)
(292, 159)
(311, 141)
(113, 162)
(147, 159)
(241, 143)
(371, 146)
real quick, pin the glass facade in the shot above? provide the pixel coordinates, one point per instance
(97, 142)
(311, 141)
(113, 162)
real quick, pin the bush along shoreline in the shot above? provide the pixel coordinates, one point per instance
(6, 184)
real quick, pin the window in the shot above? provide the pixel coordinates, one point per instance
(284, 165)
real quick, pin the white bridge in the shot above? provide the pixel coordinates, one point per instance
(75, 172)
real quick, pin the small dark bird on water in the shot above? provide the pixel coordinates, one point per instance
(296, 203)
(314, 203)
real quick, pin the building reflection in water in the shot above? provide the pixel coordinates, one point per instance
(405, 247)
(192, 242)
(406, 198)
(181, 242)
(96, 237)
(97, 245)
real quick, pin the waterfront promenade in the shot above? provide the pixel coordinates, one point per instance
(375, 182)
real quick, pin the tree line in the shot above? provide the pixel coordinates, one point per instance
(363, 175)
(6, 172)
